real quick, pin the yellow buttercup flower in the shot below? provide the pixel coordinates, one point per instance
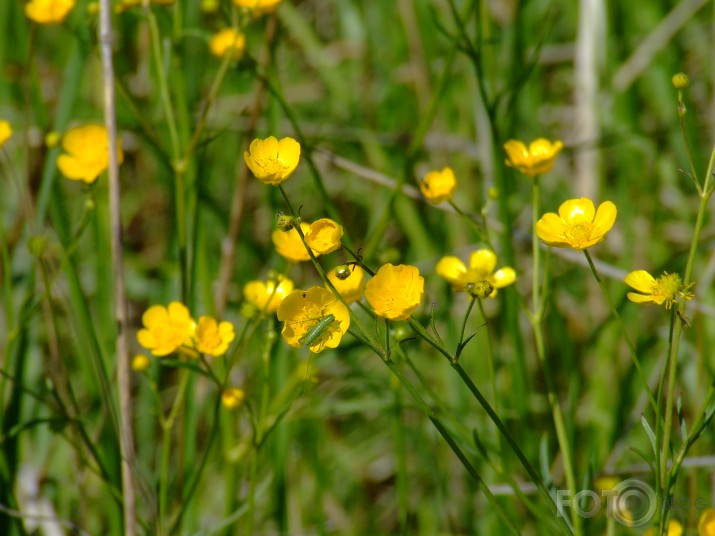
(289, 245)
(166, 329)
(395, 291)
(306, 319)
(87, 153)
(577, 225)
(351, 287)
(537, 159)
(706, 524)
(324, 236)
(227, 40)
(272, 161)
(48, 11)
(439, 186)
(674, 529)
(213, 337)
(666, 289)
(482, 264)
(5, 132)
(232, 398)
(258, 7)
(268, 295)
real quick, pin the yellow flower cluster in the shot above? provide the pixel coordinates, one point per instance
(86, 153)
(171, 329)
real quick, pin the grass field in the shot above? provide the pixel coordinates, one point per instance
(157, 375)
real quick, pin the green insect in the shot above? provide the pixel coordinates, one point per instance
(317, 331)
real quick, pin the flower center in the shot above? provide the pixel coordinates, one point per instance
(669, 287)
(578, 231)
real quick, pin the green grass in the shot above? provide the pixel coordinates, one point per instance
(377, 93)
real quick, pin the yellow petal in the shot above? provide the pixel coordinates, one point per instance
(155, 315)
(550, 229)
(452, 269)
(516, 151)
(503, 277)
(641, 281)
(577, 209)
(483, 260)
(605, 218)
(640, 298)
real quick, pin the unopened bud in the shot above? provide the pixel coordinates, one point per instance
(493, 193)
(232, 398)
(342, 272)
(680, 81)
(140, 363)
(285, 223)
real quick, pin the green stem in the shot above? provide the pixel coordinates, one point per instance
(619, 319)
(167, 426)
(674, 350)
(490, 360)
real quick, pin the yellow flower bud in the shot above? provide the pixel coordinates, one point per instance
(232, 398)
(140, 363)
(680, 81)
(439, 186)
(52, 139)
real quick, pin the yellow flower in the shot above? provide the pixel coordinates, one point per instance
(258, 6)
(324, 236)
(577, 225)
(140, 363)
(5, 132)
(674, 529)
(351, 287)
(706, 525)
(438, 186)
(87, 153)
(212, 337)
(482, 263)
(289, 245)
(272, 161)
(537, 159)
(305, 311)
(269, 295)
(225, 40)
(166, 329)
(395, 291)
(232, 398)
(666, 289)
(48, 11)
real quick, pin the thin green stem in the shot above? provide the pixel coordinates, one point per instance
(490, 360)
(619, 319)
(167, 426)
